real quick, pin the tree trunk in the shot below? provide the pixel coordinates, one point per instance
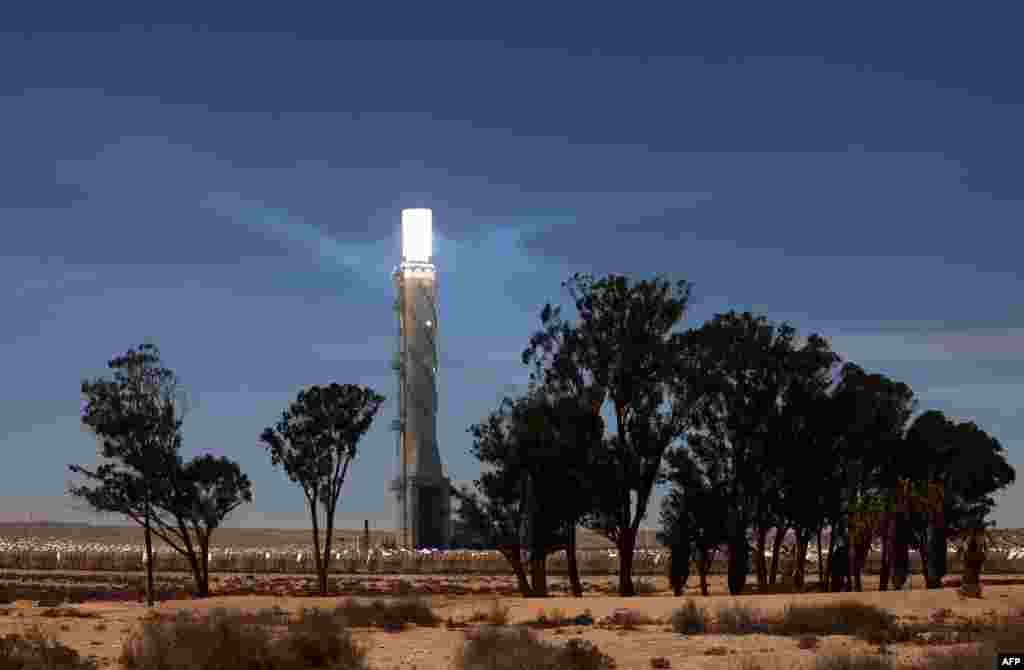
(900, 562)
(574, 570)
(538, 575)
(705, 557)
(739, 564)
(316, 538)
(626, 545)
(839, 565)
(514, 557)
(204, 563)
(325, 565)
(829, 568)
(858, 557)
(801, 560)
(936, 547)
(887, 541)
(821, 565)
(149, 560)
(679, 566)
(973, 560)
(922, 551)
(202, 588)
(780, 535)
(760, 564)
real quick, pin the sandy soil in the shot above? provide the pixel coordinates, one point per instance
(433, 648)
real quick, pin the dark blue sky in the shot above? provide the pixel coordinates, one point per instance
(230, 185)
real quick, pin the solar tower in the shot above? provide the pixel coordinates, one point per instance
(420, 486)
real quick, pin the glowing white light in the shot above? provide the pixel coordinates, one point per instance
(429, 323)
(417, 236)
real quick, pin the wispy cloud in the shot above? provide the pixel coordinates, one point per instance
(937, 347)
(55, 283)
(1001, 399)
(330, 254)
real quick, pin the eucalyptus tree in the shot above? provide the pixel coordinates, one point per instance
(744, 363)
(873, 411)
(494, 513)
(803, 444)
(137, 417)
(966, 466)
(546, 443)
(622, 350)
(315, 442)
(693, 513)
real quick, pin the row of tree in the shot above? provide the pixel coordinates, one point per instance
(137, 417)
(755, 429)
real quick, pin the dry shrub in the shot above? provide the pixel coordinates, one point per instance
(36, 650)
(504, 648)
(397, 612)
(223, 639)
(737, 618)
(645, 587)
(553, 619)
(319, 642)
(845, 617)
(629, 618)
(851, 662)
(690, 618)
(957, 658)
(807, 642)
(832, 662)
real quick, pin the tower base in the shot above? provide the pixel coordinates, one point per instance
(424, 512)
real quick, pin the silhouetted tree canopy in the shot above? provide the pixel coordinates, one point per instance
(315, 442)
(135, 417)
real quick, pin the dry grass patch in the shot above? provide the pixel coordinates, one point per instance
(68, 612)
(497, 614)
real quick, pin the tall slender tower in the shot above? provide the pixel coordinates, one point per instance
(420, 486)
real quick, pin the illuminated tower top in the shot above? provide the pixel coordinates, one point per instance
(417, 235)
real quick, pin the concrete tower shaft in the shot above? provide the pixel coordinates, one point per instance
(418, 327)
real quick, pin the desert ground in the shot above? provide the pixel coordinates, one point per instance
(98, 628)
(429, 648)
